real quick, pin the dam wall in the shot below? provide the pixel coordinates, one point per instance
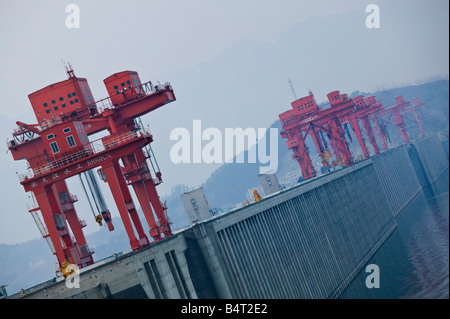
(309, 241)
(302, 243)
(434, 160)
(444, 138)
(397, 176)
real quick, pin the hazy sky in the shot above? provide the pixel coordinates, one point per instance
(155, 38)
(163, 35)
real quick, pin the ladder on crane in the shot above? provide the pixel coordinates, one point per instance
(148, 152)
(34, 210)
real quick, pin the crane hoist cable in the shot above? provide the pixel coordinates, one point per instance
(96, 195)
(323, 140)
(90, 189)
(87, 195)
(384, 131)
(348, 132)
(96, 192)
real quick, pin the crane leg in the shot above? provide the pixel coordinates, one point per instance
(72, 218)
(401, 126)
(418, 122)
(47, 214)
(143, 199)
(157, 207)
(338, 135)
(380, 133)
(320, 148)
(301, 154)
(65, 248)
(355, 126)
(368, 128)
(122, 197)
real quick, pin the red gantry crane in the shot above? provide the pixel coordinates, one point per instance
(363, 108)
(398, 111)
(400, 105)
(58, 147)
(306, 117)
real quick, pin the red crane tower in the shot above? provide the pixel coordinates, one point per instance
(417, 102)
(58, 147)
(399, 105)
(398, 111)
(306, 117)
(364, 107)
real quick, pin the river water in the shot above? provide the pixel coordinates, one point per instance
(414, 261)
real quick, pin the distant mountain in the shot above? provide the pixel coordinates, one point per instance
(176, 212)
(25, 265)
(247, 85)
(435, 114)
(228, 184)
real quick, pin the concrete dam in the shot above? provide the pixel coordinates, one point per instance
(308, 241)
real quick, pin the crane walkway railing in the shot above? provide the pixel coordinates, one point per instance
(89, 149)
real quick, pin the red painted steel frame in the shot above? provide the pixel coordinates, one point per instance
(306, 117)
(73, 102)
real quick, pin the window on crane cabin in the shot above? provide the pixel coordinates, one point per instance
(55, 148)
(71, 141)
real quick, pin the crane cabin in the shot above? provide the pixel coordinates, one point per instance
(65, 138)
